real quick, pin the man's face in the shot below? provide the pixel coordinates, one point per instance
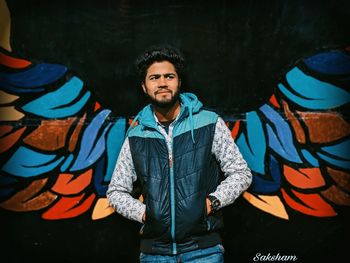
(162, 84)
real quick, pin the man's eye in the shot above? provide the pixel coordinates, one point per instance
(170, 77)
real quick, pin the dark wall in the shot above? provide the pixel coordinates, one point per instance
(236, 50)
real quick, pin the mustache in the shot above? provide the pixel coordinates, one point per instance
(162, 90)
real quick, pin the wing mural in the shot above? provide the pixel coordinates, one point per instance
(297, 144)
(59, 145)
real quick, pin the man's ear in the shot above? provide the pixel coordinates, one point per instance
(143, 87)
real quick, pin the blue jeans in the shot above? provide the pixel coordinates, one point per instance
(213, 254)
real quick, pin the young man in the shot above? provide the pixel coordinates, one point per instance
(186, 162)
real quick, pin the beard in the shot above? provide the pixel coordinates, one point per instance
(165, 104)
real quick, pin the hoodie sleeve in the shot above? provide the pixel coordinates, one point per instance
(121, 186)
(237, 173)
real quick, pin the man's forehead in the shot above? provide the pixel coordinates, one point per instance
(163, 67)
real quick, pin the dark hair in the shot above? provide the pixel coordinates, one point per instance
(160, 53)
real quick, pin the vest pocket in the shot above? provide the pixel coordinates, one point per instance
(146, 231)
(141, 229)
(209, 225)
(214, 221)
(152, 228)
(201, 226)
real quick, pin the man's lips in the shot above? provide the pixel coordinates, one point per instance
(162, 92)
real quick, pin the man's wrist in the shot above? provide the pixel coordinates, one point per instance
(215, 203)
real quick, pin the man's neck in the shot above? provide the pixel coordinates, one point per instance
(167, 114)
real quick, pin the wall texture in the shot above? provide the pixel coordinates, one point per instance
(278, 72)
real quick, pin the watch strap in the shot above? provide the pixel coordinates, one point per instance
(214, 203)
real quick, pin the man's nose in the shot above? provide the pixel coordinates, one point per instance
(162, 82)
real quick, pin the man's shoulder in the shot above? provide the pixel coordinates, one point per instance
(209, 113)
(204, 108)
(205, 116)
(134, 130)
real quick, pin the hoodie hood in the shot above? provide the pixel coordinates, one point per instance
(191, 102)
(189, 106)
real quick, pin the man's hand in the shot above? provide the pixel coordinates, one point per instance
(208, 206)
(144, 218)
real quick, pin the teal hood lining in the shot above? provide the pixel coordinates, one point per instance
(189, 106)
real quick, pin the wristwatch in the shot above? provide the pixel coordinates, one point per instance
(215, 204)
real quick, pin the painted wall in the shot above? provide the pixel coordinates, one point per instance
(278, 72)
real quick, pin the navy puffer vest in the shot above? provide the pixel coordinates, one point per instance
(175, 181)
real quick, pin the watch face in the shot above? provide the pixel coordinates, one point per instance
(215, 204)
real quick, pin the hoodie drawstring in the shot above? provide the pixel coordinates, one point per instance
(192, 125)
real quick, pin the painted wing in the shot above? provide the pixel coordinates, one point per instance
(297, 144)
(58, 144)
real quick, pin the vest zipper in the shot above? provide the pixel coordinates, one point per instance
(169, 143)
(172, 196)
